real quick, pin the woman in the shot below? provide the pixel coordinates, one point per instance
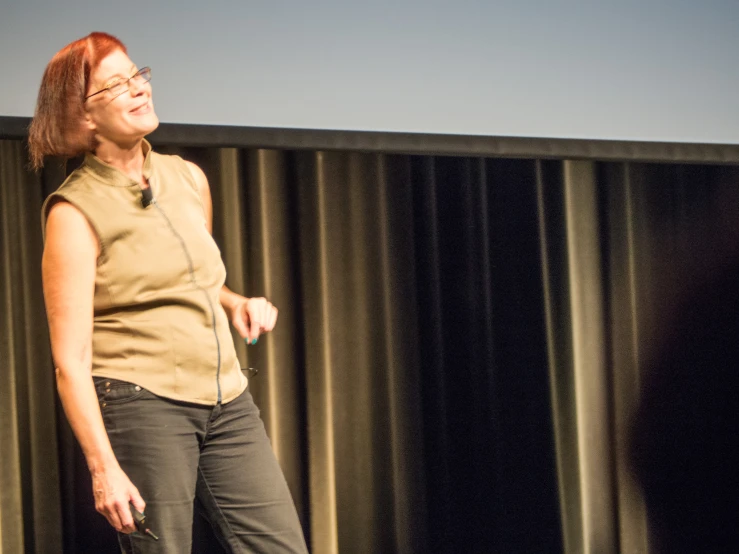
(139, 320)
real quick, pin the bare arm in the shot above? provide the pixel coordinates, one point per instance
(250, 316)
(68, 269)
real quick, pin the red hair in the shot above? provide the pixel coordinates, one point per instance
(57, 126)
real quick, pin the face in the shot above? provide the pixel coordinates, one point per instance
(126, 118)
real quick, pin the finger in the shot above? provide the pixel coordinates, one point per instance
(264, 316)
(271, 319)
(124, 515)
(137, 501)
(255, 319)
(111, 515)
(254, 328)
(239, 322)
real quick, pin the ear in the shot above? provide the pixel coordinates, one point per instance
(88, 122)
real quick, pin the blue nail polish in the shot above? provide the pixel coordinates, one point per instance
(254, 341)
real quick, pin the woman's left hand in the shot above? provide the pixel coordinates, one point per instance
(252, 317)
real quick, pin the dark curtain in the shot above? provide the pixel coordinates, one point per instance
(30, 482)
(459, 351)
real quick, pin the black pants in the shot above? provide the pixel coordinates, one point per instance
(174, 452)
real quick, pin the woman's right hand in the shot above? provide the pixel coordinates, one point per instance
(113, 491)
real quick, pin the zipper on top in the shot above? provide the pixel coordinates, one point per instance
(194, 282)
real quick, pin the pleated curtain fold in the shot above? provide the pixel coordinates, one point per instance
(460, 345)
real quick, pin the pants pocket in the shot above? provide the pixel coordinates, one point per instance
(114, 391)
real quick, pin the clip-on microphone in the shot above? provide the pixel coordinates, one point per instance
(147, 197)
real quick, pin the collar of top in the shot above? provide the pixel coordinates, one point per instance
(114, 176)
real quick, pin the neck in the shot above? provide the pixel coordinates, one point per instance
(129, 159)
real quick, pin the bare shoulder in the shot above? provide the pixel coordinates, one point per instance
(67, 228)
(198, 175)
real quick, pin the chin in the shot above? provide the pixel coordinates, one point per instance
(153, 125)
(148, 124)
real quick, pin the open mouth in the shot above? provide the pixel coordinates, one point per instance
(143, 108)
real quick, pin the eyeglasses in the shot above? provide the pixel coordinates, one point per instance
(120, 86)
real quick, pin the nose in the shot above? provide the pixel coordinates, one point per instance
(136, 88)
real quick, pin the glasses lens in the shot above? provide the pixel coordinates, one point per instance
(116, 88)
(144, 74)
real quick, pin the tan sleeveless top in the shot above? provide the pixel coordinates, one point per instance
(158, 321)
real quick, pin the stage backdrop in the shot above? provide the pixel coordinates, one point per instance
(648, 70)
(460, 345)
